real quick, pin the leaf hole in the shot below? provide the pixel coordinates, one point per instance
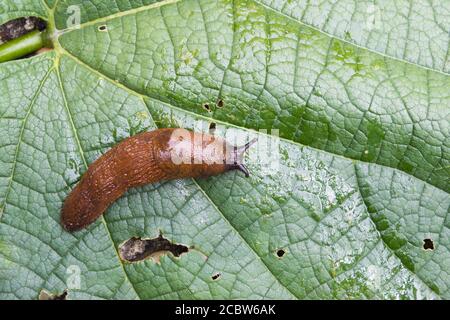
(220, 103)
(207, 107)
(212, 127)
(136, 249)
(280, 253)
(428, 244)
(216, 276)
(45, 295)
(102, 28)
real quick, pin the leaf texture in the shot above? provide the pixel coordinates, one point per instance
(363, 176)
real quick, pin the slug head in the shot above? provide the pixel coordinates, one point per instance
(235, 158)
(182, 153)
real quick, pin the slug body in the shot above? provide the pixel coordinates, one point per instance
(148, 157)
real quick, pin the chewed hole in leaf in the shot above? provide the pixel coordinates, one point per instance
(215, 276)
(45, 295)
(220, 103)
(428, 244)
(212, 127)
(207, 107)
(280, 253)
(137, 249)
(103, 28)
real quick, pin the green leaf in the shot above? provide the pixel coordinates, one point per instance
(362, 180)
(10, 9)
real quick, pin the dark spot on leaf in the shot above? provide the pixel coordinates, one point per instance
(102, 28)
(44, 295)
(220, 103)
(137, 249)
(280, 253)
(207, 107)
(428, 244)
(212, 126)
(215, 276)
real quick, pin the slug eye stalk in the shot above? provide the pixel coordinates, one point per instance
(239, 153)
(243, 169)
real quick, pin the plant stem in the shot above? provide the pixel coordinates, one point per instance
(23, 45)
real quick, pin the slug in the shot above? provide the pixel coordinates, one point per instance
(148, 157)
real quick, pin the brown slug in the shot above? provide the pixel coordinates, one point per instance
(148, 157)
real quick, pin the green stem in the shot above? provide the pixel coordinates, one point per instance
(23, 45)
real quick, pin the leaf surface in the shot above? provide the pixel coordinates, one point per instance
(362, 179)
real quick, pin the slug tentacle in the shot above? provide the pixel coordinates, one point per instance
(148, 157)
(243, 169)
(238, 157)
